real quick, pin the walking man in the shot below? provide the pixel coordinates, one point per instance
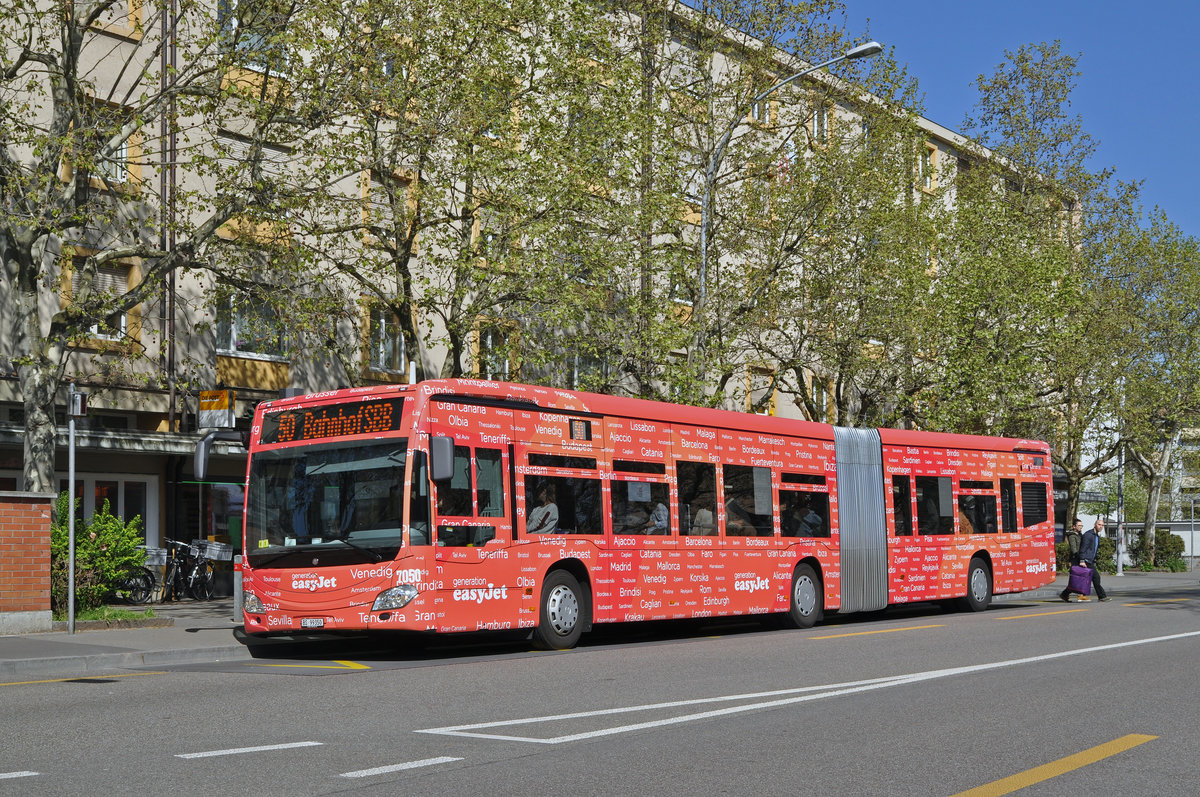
(1088, 548)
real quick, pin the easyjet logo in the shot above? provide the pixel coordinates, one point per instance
(313, 584)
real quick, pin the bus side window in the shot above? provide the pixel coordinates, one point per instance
(902, 501)
(640, 508)
(1008, 505)
(489, 482)
(747, 501)
(454, 495)
(803, 513)
(977, 514)
(576, 503)
(935, 505)
(418, 502)
(697, 497)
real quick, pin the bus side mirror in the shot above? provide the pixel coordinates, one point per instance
(200, 467)
(441, 458)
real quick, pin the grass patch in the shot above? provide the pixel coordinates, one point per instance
(112, 613)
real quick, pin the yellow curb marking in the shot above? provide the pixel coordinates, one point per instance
(337, 665)
(1041, 614)
(83, 678)
(1055, 768)
(881, 631)
(1164, 600)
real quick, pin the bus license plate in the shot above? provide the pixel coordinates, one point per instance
(312, 622)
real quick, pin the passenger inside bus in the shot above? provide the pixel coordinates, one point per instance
(658, 519)
(799, 517)
(697, 497)
(543, 519)
(703, 523)
(738, 522)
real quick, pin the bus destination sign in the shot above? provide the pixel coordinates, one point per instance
(333, 420)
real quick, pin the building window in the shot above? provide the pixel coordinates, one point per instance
(385, 205)
(760, 112)
(255, 29)
(492, 353)
(820, 400)
(820, 123)
(927, 166)
(110, 283)
(387, 342)
(760, 390)
(246, 326)
(587, 371)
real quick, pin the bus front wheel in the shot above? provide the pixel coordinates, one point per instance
(561, 620)
(979, 586)
(808, 602)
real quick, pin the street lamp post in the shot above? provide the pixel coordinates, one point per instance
(714, 163)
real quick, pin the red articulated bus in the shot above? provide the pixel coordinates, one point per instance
(462, 505)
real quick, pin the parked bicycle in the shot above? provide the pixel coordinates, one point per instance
(137, 587)
(188, 573)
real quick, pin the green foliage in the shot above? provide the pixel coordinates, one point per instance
(106, 549)
(1175, 565)
(1062, 557)
(1106, 552)
(1167, 546)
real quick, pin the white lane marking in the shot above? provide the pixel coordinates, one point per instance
(240, 750)
(7, 775)
(425, 762)
(818, 693)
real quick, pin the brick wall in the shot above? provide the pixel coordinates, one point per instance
(25, 562)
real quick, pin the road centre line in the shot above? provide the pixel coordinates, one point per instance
(1040, 614)
(10, 775)
(880, 631)
(1163, 600)
(786, 697)
(1045, 772)
(425, 762)
(239, 750)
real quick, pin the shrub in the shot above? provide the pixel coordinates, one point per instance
(1176, 565)
(1167, 546)
(1106, 553)
(106, 549)
(1062, 557)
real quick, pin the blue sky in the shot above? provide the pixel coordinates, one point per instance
(1139, 94)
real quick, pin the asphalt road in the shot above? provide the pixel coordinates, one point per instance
(1049, 698)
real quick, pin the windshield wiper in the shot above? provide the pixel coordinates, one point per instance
(374, 556)
(274, 558)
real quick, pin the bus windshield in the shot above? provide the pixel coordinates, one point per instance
(327, 504)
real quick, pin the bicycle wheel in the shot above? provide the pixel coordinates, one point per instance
(171, 588)
(141, 586)
(201, 580)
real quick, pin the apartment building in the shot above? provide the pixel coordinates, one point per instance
(146, 366)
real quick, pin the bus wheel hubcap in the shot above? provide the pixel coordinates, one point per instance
(805, 596)
(562, 609)
(979, 584)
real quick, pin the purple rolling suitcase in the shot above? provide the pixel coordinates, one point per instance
(1080, 580)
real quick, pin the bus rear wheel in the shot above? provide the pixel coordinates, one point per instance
(808, 600)
(979, 586)
(561, 620)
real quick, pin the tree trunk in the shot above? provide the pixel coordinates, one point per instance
(1157, 468)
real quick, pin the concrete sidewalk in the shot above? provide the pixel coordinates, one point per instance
(183, 632)
(196, 632)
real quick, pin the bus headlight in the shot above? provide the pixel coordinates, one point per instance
(395, 598)
(251, 603)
